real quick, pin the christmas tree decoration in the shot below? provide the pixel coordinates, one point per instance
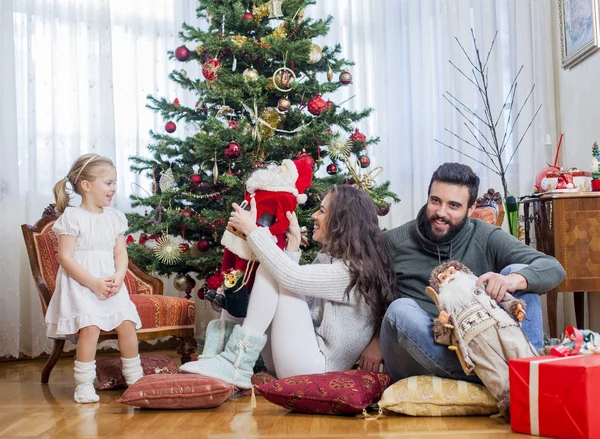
(182, 53)
(365, 161)
(210, 69)
(247, 16)
(129, 240)
(199, 49)
(260, 12)
(239, 40)
(345, 78)
(275, 8)
(167, 181)
(284, 105)
(182, 282)
(357, 136)
(176, 102)
(167, 250)
(203, 245)
(283, 79)
(332, 169)
(196, 179)
(329, 74)
(186, 212)
(233, 150)
(201, 293)
(271, 120)
(184, 247)
(170, 127)
(383, 209)
(281, 32)
(250, 74)
(315, 54)
(340, 149)
(317, 105)
(595, 161)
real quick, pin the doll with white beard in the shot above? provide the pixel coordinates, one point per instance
(485, 334)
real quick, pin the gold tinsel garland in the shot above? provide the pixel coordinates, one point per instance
(260, 12)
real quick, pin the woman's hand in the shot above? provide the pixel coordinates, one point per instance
(102, 288)
(243, 220)
(372, 357)
(293, 234)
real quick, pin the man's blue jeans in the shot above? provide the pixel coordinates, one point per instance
(409, 349)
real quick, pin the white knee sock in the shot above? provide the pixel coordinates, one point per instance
(263, 303)
(85, 373)
(132, 369)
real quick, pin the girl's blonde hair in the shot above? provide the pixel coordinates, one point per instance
(82, 169)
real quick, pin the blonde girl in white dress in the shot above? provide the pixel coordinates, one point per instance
(90, 295)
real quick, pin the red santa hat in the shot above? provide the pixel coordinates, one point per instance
(293, 177)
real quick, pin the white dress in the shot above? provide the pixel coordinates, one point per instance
(74, 306)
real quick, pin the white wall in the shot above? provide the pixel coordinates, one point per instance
(578, 112)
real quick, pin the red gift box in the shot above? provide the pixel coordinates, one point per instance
(556, 396)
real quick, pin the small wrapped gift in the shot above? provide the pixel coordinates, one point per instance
(557, 396)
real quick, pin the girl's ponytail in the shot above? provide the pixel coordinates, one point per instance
(61, 195)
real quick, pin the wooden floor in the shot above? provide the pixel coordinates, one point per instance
(31, 409)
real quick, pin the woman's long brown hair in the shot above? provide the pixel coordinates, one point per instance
(353, 235)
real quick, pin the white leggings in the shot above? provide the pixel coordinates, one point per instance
(292, 347)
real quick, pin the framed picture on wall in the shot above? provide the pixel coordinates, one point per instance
(579, 29)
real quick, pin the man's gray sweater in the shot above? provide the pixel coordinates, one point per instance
(479, 245)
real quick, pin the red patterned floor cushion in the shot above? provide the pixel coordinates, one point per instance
(162, 311)
(180, 391)
(332, 393)
(110, 376)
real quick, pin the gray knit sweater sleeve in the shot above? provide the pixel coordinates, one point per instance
(325, 281)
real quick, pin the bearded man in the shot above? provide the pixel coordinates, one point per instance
(443, 231)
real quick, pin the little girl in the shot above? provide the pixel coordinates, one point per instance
(90, 295)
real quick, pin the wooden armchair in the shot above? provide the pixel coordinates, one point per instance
(489, 208)
(161, 316)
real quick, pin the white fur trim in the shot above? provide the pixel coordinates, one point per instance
(301, 198)
(237, 245)
(275, 178)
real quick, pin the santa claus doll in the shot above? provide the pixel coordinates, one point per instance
(485, 334)
(277, 189)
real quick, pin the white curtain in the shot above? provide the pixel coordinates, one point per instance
(75, 73)
(74, 77)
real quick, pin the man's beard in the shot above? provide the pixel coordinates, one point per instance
(427, 229)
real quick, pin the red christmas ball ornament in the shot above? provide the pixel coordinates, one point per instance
(332, 169)
(345, 78)
(143, 239)
(210, 69)
(201, 293)
(247, 15)
(284, 104)
(383, 210)
(182, 53)
(233, 150)
(357, 136)
(317, 105)
(234, 123)
(203, 245)
(184, 247)
(195, 179)
(129, 240)
(186, 212)
(170, 127)
(365, 161)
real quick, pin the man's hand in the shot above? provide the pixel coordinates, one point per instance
(371, 358)
(497, 285)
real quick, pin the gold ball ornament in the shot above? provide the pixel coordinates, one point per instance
(315, 54)
(284, 105)
(329, 74)
(250, 74)
(181, 282)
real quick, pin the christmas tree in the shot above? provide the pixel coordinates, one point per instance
(262, 99)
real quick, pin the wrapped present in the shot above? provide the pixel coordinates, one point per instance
(557, 396)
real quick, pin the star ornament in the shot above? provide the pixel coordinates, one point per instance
(167, 250)
(340, 148)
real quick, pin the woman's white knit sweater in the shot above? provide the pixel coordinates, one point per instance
(343, 325)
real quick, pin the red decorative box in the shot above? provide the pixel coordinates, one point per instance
(557, 397)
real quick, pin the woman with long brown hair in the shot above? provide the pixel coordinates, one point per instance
(318, 317)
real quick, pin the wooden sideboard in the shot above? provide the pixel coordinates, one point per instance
(567, 226)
